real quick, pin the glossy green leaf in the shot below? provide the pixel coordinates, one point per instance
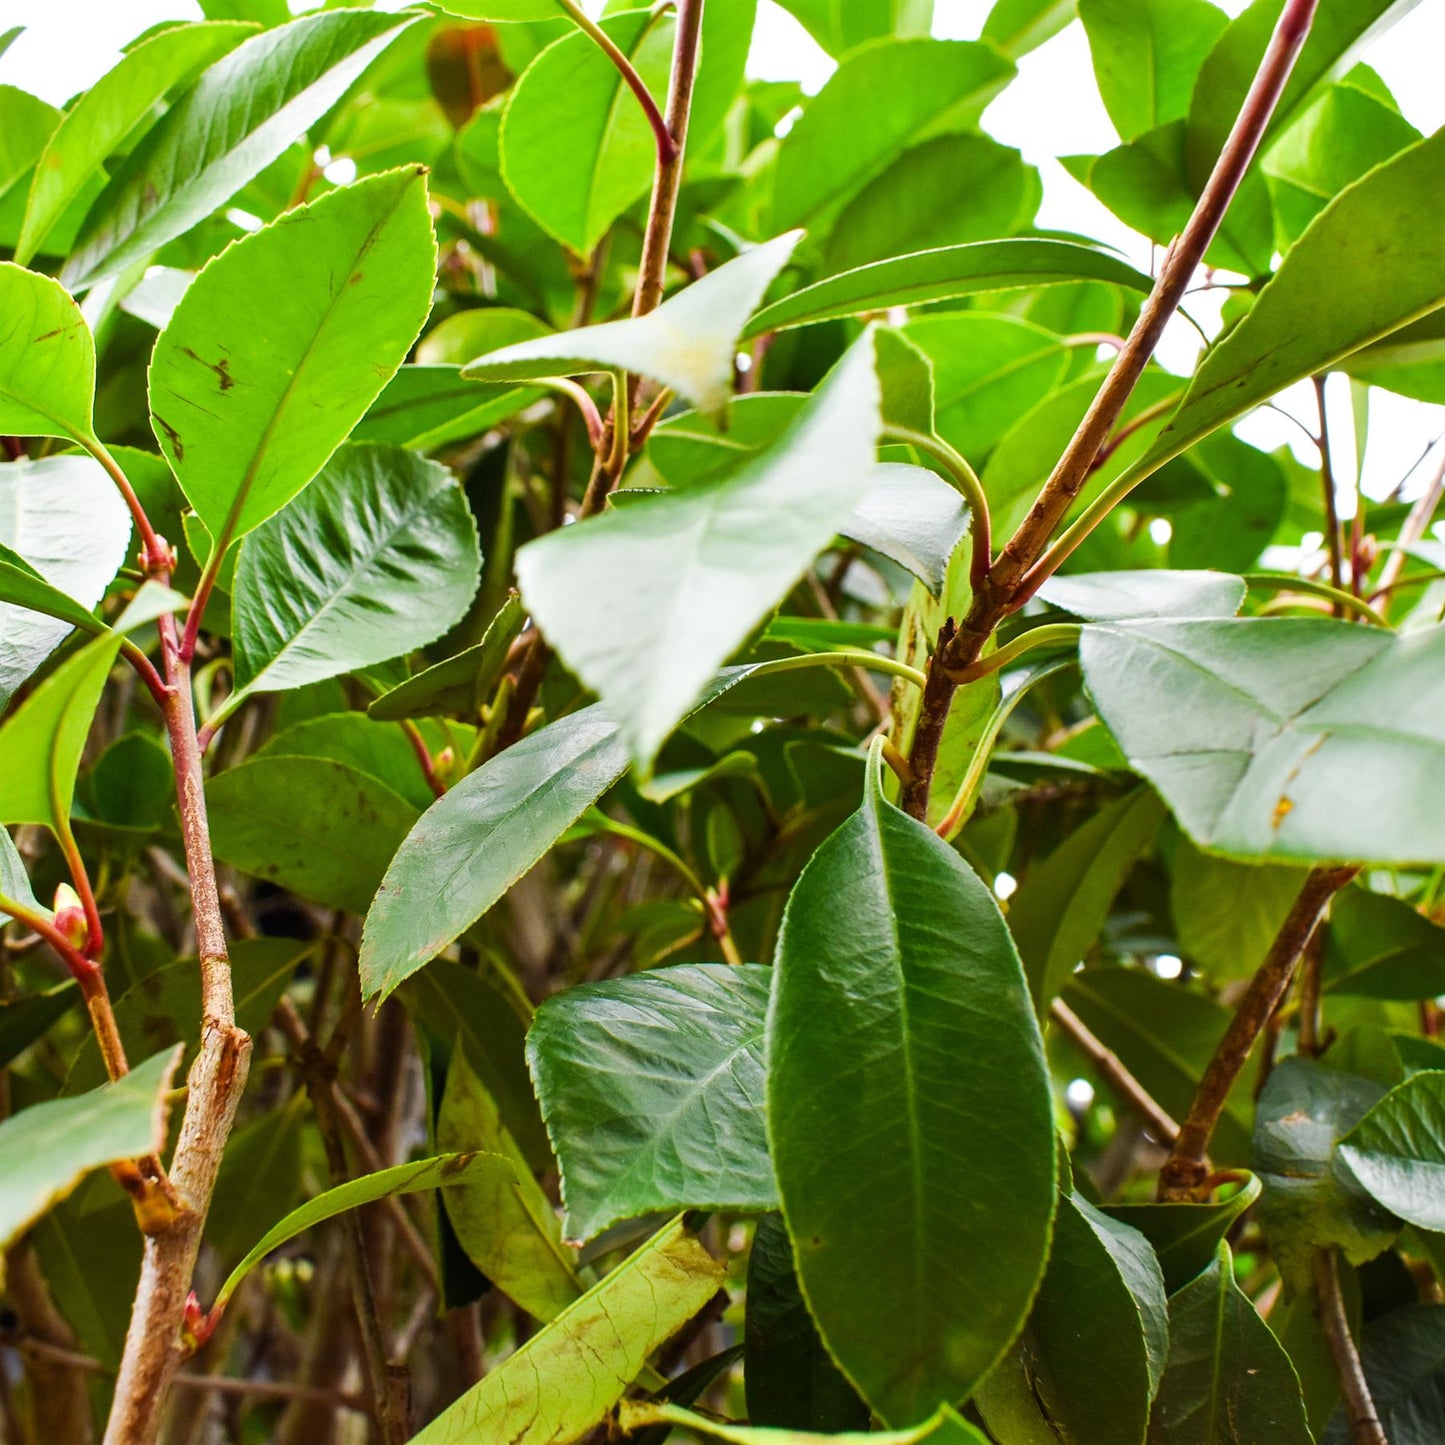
(568, 1376)
(942, 275)
(96, 125)
(238, 118)
(1228, 1381)
(1185, 1236)
(1251, 729)
(321, 828)
(944, 1428)
(1401, 1352)
(910, 90)
(26, 123)
(379, 749)
(442, 1172)
(428, 406)
(839, 26)
(466, 334)
(1019, 26)
(689, 575)
(283, 341)
(1397, 1151)
(460, 686)
(689, 343)
(474, 843)
(914, 1191)
(1064, 902)
(505, 11)
(46, 1149)
(44, 737)
(1374, 249)
(47, 358)
(377, 558)
(1147, 54)
(506, 1225)
(791, 1379)
(1097, 1337)
(576, 149)
(68, 529)
(1125, 596)
(652, 1091)
(1310, 1199)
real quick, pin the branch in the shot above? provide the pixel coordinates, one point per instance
(1110, 1068)
(1415, 524)
(1365, 1427)
(1334, 533)
(1185, 1169)
(1003, 588)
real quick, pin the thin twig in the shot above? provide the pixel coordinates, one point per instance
(1185, 1169)
(1111, 1069)
(1418, 520)
(1365, 1426)
(1334, 534)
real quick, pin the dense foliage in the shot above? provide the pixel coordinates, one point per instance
(658, 784)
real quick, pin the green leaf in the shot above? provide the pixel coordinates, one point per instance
(109, 112)
(1401, 1352)
(913, 516)
(321, 828)
(69, 530)
(259, 1180)
(790, 1378)
(26, 1019)
(26, 123)
(46, 1149)
(283, 341)
(507, 1226)
(1147, 54)
(47, 358)
(652, 1091)
(576, 148)
(1185, 1236)
(44, 737)
(428, 406)
(689, 343)
(1228, 1381)
(943, 1428)
(460, 686)
(1019, 26)
(1094, 1348)
(445, 1171)
(505, 11)
(839, 26)
(376, 558)
(568, 1376)
(1126, 596)
(909, 90)
(689, 575)
(1253, 729)
(942, 275)
(1375, 250)
(1397, 1151)
(1310, 1199)
(915, 1191)
(465, 334)
(472, 844)
(1064, 902)
(954, 188)
(239, 117)
(1380, 947)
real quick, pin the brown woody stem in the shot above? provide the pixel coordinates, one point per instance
(1365, 1426)
(1004, 587)
(1110, 1068)
(1186, 1168)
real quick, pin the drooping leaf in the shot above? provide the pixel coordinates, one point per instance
(1064, 902)
(69, 527)
(1185, 1236)
(689, 343)
(283, 341)
(568, 1376)
(1373, 248)
(1250, 728)
(790, 1377)
(378, 557)
(1093, 1350)
(911, 1190)
(473, 844)
(688, 575)
(46, 1149)
(47, 358)
(238, 118)
(942, 275)
(441, 1172)
(910, 89)
(652, 1091)
(94, 127)
(506, 1225)
(1397, 1151)
(321, 828)
(1310, 1199)
(1228, 1381)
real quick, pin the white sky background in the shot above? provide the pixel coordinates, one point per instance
(1052, 109)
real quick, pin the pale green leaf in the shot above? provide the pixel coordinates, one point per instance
(47, 358)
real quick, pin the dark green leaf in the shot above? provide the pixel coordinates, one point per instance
(1401, 1352)
(1185, 1236)
(1380, 947)
(259, 1180)
(1397, 1151)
